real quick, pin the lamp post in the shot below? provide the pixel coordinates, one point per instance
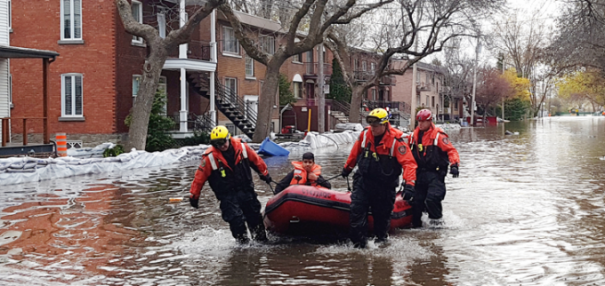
(477, 51)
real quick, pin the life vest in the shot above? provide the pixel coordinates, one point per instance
(431, 157)
(225, 179)
(300, 172)
(376, 166)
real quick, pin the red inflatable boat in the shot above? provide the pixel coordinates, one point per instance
(306, 210)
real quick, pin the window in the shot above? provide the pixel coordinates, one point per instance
(372, 66)
(267, 44)
(373, 94)
(297, 58)
(433, 101)
(297, 89)
(427, 100)
(136, 82)
(10, 90)
(230, 44)
(355, 65)
(417, 76)
(137, 14)
(231, 87)
(249, 67)
(363, 66)
(71, 20)
(456, 104)
(162, 24)
(71, 95)
(9, 15)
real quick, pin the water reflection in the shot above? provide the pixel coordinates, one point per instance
(526, 210)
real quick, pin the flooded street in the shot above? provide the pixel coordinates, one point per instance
(527, 209)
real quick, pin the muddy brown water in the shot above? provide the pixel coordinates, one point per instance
(527, 210)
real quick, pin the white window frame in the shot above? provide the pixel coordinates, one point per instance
(372, 66)
(250, 68)
(72, 22)
(73, 94)
(10, 18)
(137, 40)
(364, 66)
(297, 59)
(229, 31)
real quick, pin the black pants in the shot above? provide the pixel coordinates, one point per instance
(379, 196)
(430, 191)
(242, 207)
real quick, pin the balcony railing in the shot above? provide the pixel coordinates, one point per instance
(312, 68)
(199, 50)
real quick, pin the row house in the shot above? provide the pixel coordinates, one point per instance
(94, 83)
(429, 88)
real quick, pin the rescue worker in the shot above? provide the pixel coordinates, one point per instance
(380, 153)
(433, 152)
(226, 166)
(304, 173)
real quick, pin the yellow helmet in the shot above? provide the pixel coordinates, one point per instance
(219, 132)
(377, 116)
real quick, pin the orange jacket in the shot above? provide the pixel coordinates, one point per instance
(208, 165)
(393, 144)
(300, 172)
(443, 142)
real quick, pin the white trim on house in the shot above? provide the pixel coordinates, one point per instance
(73, 112)
(4, 23)
(73, 33)
(4, 89)
(189, 64)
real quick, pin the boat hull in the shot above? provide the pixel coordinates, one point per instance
(306, 210)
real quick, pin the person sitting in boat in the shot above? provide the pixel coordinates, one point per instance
(304, 173)
(380, 153)
(226, 166)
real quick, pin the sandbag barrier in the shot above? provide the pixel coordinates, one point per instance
(18, 170)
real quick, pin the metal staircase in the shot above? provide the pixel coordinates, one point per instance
(226, 101)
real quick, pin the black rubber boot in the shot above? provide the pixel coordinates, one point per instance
(241, 238)
(259, 233)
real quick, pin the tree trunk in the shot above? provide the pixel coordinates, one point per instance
(356, 98)
(137, 133)
(267, 101)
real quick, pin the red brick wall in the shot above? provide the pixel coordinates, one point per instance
(36, 24)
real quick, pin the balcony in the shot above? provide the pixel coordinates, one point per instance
(198, 58)
(312, 69)
(361, 76)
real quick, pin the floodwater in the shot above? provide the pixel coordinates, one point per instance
(527, 209)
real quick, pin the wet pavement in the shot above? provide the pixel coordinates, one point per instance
(527, 210)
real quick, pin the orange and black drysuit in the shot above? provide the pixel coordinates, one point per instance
(230, 178)
(380, 162)
(299, 176)
(434, 153)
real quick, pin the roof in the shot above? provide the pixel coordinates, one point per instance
(256, 21)
(18, 52)
(431, 67)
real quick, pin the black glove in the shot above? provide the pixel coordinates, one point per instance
(408, 192)
(266, 178)
(345, 172)
(194, 202)
(454, 170)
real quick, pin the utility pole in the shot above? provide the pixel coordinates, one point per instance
(503, 71)
(321, 99)
(477, 51)
(414, 103)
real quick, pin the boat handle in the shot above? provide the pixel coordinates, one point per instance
(294, 219)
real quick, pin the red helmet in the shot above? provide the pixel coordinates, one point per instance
(424, 114)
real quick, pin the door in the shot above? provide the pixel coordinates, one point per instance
(251, 102)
